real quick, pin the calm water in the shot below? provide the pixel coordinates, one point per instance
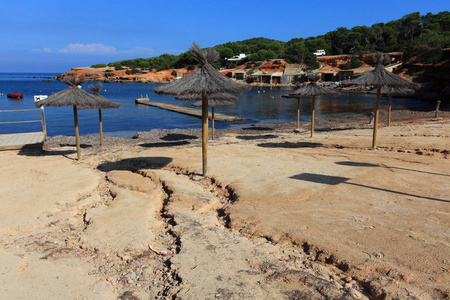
(261, 106)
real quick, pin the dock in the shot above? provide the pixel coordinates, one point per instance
(19, 141)
(25, 140)
(189, 111)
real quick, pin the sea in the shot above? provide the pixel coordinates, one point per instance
(261, 106)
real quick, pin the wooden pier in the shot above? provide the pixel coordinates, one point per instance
(189, 111)
(19, 141)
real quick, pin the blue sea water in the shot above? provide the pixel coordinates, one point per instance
(262, 106)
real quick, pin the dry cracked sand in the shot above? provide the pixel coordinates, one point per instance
(279, 216)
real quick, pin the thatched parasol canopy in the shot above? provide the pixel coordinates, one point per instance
(102, 102)
(213, 99)
(204, 81)
(380, 77)
(214, 103)
(79, 99)
(310, 90)
(75, 96)
(393, 91)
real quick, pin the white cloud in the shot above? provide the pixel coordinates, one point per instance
(77, 48)
(98, 49)
(137, 50)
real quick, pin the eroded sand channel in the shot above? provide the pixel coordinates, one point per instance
(99, 228)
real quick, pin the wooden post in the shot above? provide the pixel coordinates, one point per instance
(205, 133)
(44, 129)
(389, 110)
(298, 116)
(313, 110)
(77, 133)
(375, 123)
(101, 126)
(436, 113)
(212, 122)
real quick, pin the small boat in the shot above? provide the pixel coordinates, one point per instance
(15, 95)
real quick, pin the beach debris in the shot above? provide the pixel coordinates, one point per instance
(160, 252)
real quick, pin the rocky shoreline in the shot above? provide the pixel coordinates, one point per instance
(178, 137)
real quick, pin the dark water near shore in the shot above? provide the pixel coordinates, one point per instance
(261, 106)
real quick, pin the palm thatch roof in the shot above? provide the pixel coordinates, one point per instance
(380, 76)
(392, 91)
(311, 89)
(205, 80)
(213, 98)
(214, 103)
(73, 95)
(105, 103)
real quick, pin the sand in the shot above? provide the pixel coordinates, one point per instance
(279, 216)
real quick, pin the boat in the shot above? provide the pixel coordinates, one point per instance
(15, 95)
(39, 97)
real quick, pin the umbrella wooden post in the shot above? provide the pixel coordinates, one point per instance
(212, 122)
(205, 133)
(436, 113)
(389, 110)
(101, 126)
(77, 133)
(312, 115)
(298, 116)
(375, 123)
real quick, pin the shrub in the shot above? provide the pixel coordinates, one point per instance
(107, 71)
(132, 71)
(430, 56)
(354, 63)
(98, 66)
(174, 73)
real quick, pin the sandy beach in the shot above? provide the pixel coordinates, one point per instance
(279, 216)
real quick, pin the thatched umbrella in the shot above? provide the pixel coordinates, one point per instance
(310, 90)
(214, 100)
(204, 81)
(380, 77)
(76, 97)
(108, 104)
(392, 91)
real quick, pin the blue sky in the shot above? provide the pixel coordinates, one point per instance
(56, 35)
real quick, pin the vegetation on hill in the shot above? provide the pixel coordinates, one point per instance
(416, 35)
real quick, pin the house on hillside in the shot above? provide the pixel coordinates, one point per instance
(266, 78)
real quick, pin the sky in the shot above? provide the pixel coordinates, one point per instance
(57, 35)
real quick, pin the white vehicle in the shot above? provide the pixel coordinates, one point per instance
(319, 52)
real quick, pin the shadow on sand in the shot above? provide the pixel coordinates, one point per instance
(256, 137)
(257, 128)
(178, 137)
(335, 180)
(163, 144)
(135, 163)
(291, 145)
(359, 164)
(39, 152)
